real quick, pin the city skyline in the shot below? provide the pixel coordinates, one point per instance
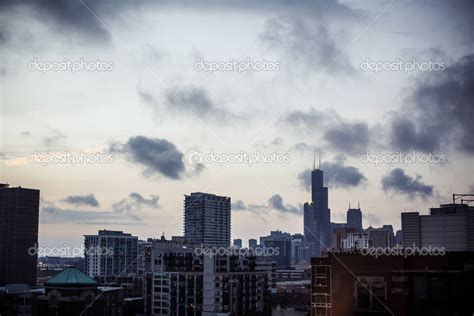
(142, 99)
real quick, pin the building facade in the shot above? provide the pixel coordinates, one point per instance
(19, 211)
(111, 254)
(207, 219)
(450, 226)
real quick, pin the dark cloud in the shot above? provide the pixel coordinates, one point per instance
(68, 17)
(440, 111)
(133, 203)
(276, 202)
(78, 200)
(306, 41)
(346, 137)
(158, 156)
(191, 101)
(336, 175)
(50, 214)
(194, 101)
(54, 138)
(238, 205)
(350, 138)
(400, 183)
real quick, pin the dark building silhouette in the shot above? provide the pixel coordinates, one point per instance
(317, 217)
(354, 218)
(355, 284)
(19, 211)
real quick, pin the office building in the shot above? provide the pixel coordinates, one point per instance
(317, 218)
(111, 254)
(207, 219)
(354, 218)
(278, 245)
(252, 243)
(19, 211)
(450, 226)
(381, 237)
(238, 243)
(355, 284)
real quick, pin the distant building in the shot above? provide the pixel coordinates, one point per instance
(207, 219)
(238, 243)
(450, 226)
(19, 211)
(354, 218)
(356, 284)
(317, 216)
(111, 253)
(339, 235)
(278, 243)
(381, 237)
(252, 243)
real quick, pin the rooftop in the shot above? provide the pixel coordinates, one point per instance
(71, 277)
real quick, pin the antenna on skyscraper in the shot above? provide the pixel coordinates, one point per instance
(314, 161)
(358, 205)
(319, 161)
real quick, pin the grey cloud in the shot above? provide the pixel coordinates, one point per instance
(439, 111)
(54, 138)
(133, 203)
(336, 175)
(158, 156)
(87, 200)
(276, 202)
(344, 136)
(400, 183)
(350, 138)
(67, 16)
(192, 101)
(307, 41)
(50, 214)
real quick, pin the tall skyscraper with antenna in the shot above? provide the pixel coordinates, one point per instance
(317, 216)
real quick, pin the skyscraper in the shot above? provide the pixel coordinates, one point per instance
(317, 217)
(207, 219)
(354, 218)
(19, 210)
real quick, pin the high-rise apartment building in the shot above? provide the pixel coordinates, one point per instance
(19, 211)
(207, 219)
(111, 253)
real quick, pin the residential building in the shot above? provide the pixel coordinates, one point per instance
(207, 219)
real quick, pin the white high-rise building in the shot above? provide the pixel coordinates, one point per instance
(110, 253)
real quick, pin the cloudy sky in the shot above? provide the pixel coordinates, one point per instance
(124, 89)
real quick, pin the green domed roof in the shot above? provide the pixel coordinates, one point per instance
(70, 277)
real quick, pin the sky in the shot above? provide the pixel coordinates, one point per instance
(117, 109)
